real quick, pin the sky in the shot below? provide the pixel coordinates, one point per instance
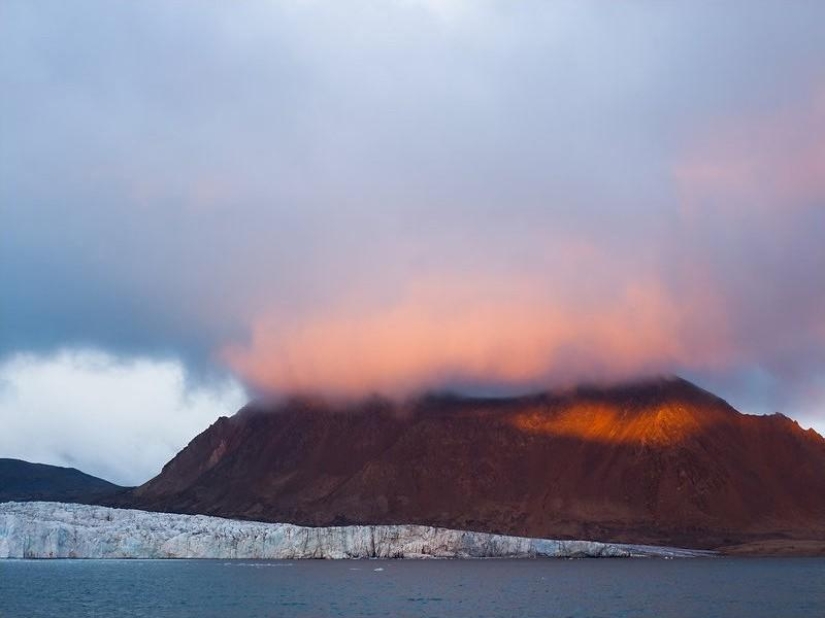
(203, 202)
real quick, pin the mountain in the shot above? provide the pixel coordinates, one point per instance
(661, 462)
(23, 481)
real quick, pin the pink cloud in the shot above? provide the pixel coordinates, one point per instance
(451, 328)
(759, 163)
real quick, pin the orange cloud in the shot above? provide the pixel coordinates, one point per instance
(453, 329)
(585, 313)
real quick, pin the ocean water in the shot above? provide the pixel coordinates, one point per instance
(699, 588)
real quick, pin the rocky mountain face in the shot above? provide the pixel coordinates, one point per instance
(660, 462)
(21, 480)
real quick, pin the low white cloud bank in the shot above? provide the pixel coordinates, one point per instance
(120, 419)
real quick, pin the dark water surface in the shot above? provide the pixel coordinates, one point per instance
(706, 588)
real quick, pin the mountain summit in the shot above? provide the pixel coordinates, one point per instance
(661, 462)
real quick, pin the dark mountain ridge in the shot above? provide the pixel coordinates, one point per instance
(660, 462)
(23, 481)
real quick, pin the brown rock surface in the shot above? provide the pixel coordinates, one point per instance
(659, 462)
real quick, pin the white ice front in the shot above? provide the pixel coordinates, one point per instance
(58, 530)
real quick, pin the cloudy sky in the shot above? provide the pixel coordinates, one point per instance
(202, 202)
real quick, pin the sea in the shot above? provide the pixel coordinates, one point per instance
(591, 588)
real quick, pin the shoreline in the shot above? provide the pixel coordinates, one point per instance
(776, 548)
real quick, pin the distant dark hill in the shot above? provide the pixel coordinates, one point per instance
(659, 462)
(24, 481)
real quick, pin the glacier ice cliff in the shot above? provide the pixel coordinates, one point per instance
(58, 530)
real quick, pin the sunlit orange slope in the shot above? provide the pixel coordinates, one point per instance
(665, 424)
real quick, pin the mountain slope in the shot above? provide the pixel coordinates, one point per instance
(659, 462)
(23, 481)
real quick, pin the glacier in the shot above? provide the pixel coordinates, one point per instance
(60, 530)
